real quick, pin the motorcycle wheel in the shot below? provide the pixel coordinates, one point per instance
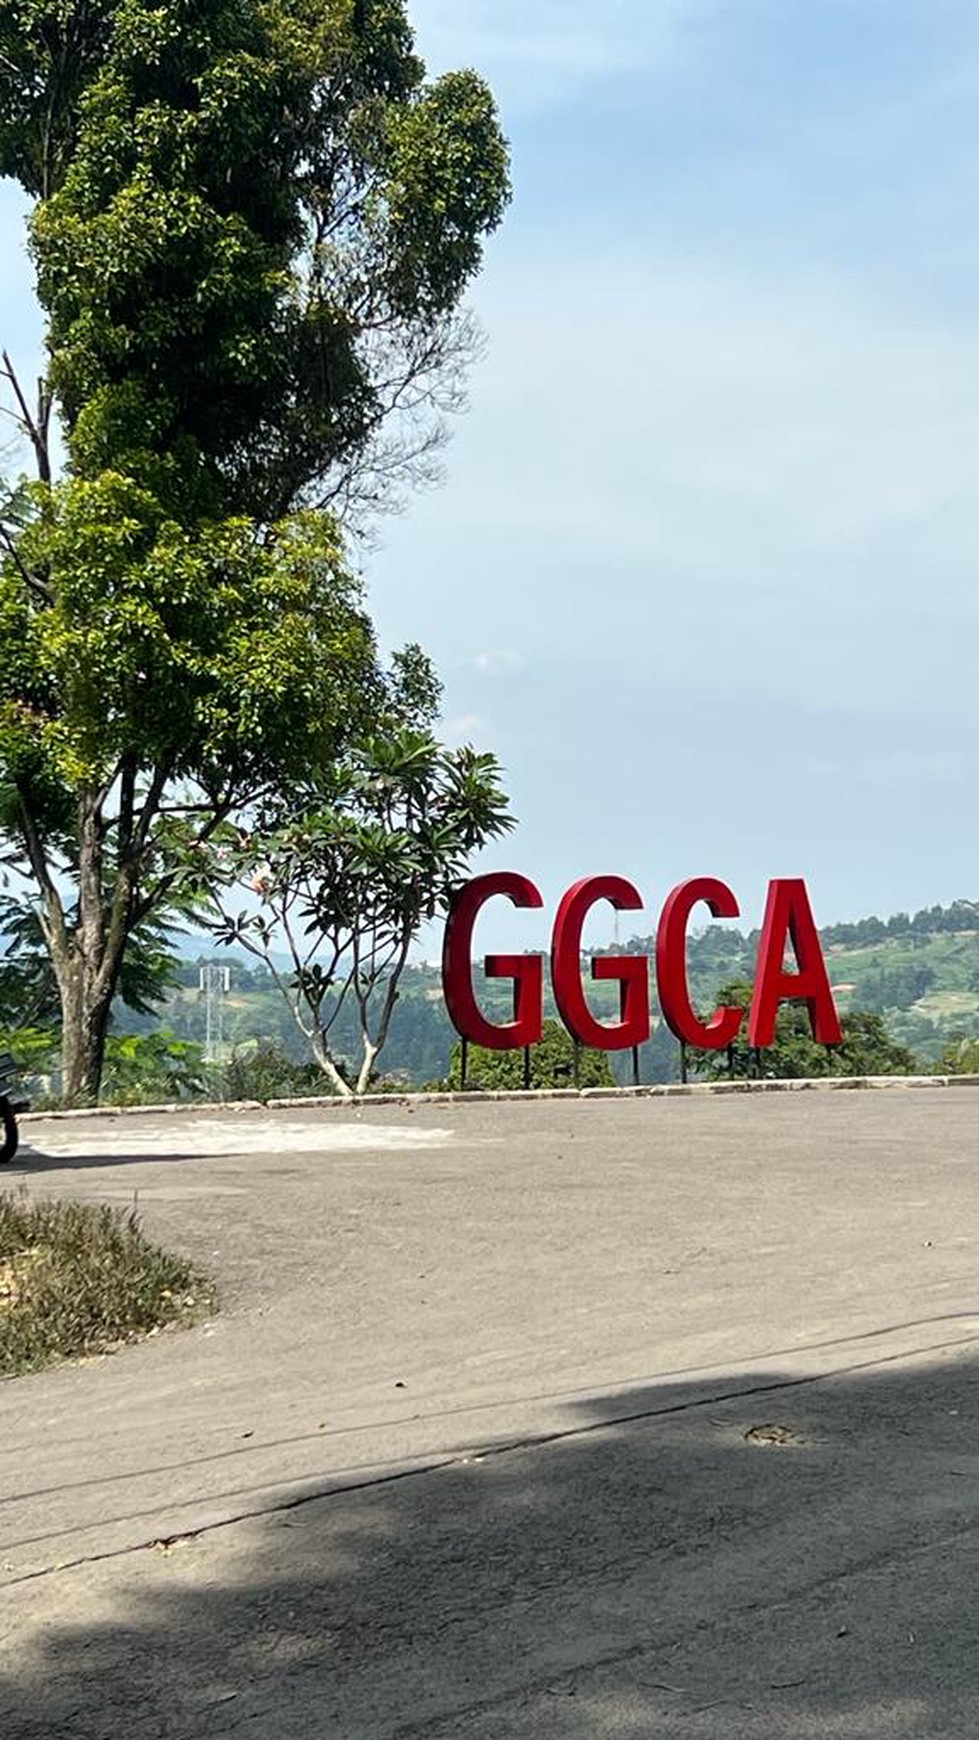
(8, 1125)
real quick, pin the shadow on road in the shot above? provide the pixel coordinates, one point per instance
(30, 1161)
(793, 1562)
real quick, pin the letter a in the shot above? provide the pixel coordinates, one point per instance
(788, 916)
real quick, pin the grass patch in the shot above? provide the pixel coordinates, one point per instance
(79, 1278)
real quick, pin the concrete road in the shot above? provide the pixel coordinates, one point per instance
(574, 1419)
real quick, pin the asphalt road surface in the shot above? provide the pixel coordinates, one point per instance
(561, 1419)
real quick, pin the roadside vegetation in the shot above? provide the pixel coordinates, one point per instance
(867, 1047)
(553, 1064)
(78, 1279)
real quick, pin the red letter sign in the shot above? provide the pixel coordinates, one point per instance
(789, 915)
(671, 965)
(631, 970)
(526, 971)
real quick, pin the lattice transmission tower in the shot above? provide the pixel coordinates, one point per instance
(215, 983)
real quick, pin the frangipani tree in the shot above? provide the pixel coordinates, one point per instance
(346, 886)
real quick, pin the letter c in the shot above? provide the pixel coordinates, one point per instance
(671, 965)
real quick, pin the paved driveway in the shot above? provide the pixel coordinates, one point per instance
(563, 1419)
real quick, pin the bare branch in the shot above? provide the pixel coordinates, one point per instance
(150, 809)
(36, 430)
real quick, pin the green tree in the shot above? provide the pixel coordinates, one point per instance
(175, 676)
(897, 987)
(143, 1068)
(867, 1047)
(960, 1057)
(254, 222)
(659, 1058)
(552, 1065)
(347, 882)
(29, 988)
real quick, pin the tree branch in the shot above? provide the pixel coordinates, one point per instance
(52, 916)
(37, 431)
(30, 580)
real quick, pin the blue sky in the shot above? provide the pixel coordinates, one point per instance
(704, 571)
(705, 568)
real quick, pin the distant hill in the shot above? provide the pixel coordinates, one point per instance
(920, 971)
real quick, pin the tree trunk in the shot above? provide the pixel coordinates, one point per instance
(87, 950)
(87, 960)
(85, 1025)
(321, 1052)
(369, 1060)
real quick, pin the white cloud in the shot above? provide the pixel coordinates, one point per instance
(502, 662)
(465, 727)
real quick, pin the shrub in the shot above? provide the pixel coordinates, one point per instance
(77, 1278)
(263, 1071)
(143, 1068)
(960, 1057)
(552, 1065)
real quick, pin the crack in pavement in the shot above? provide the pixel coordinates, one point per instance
(533, 1441)
(262, 1445)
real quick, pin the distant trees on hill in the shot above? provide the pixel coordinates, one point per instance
(894, 987)
(719, 945)
(961, 915)
(890, 966)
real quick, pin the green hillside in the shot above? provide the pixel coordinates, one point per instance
(920, 972)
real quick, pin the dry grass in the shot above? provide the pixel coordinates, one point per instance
(79, 1278)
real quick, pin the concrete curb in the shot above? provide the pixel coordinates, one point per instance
(662, 1090)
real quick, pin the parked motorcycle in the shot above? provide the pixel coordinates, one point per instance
(9, 1107)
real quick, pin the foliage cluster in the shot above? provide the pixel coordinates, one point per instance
(553, 1064)
(867, 1048)
(254, 222)
(152, 1069)
(961, 915)
(894, 987)
(265, 1072)
(348, 884)
(29, 998)
(960, 1057)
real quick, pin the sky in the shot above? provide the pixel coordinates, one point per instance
(704, 568)
(704, 571)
